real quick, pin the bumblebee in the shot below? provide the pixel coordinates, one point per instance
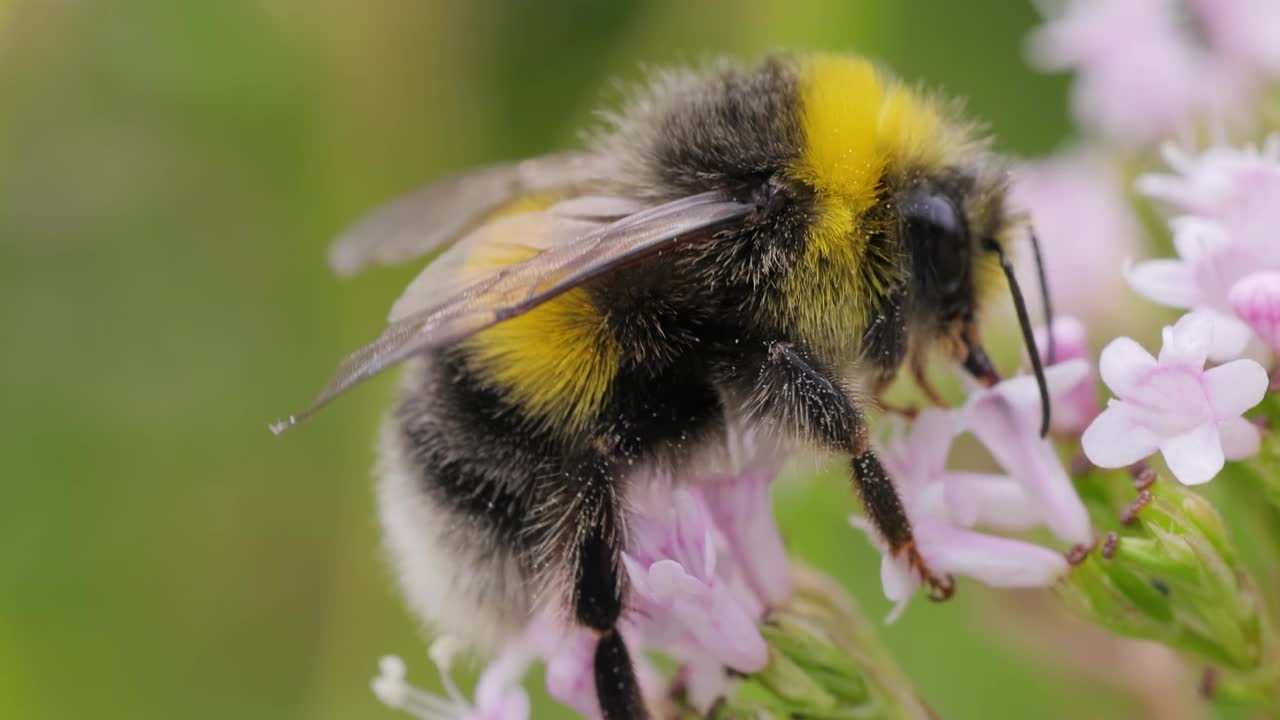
(766, 245)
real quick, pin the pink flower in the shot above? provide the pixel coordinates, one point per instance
(688, 597)
(1246, 32)
(1227, 205)
(498, 692)
(1256, 301)
(1085, 227)
(1139, 73)
(704, 562)
(569, 654)
(1006, 419)
(1078, 405)
(1192, 416)
(944, 506)
(741, 508)
(570, 673)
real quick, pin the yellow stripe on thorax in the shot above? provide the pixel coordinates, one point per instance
(556, 362)
(857, 128)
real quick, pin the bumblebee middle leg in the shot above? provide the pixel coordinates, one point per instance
(792, 387)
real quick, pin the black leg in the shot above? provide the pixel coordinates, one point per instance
(884, 508)
(791, 387)
(599, 588)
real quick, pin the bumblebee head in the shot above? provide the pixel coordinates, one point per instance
(954, 227)
(881, 155)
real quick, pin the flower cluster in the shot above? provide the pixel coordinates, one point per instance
(705, 560)
(1148, 71)
(1146, 68)
(1225, 206)
(947, 506)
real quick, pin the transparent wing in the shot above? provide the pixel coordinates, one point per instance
(415, 224)
(522, 286)
(505, 241)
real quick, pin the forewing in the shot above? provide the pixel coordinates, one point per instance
(518, 288)
(507, 240)
(431, 217)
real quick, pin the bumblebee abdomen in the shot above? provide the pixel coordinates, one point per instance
(555, 363)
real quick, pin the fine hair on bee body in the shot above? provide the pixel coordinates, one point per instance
(764, 245)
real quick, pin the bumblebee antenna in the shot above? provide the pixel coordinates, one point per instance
(1028, 337)
(1050, 352)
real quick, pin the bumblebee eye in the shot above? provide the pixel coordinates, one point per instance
(939, 243)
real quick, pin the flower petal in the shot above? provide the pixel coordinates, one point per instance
(1240, 438)
(1122, 363)
(741, 507)
(996, 561)
(992, 501)
(1114, 440)
(727, 632)
(1235, 387)
(1070, 340)
(570, 675)
(1187, 343)
(1030, 459)
(1167, 282)
(931, 436)
(1195, 456)
(1256, 301)
(1228, 336)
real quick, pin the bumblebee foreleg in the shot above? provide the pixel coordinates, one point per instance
(791, 387)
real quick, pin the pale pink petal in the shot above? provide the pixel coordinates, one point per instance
(1240, 438)
(570, 675)
(1246, 31)
(1114, 440)
(710, 613)
(740, 506)
(896, 577)
(1186, 344)
(899, 584)
(1167, 282)
(706, 681)
(1019, 449)
(1195, 456)
(931, 436)
(1228, 336)
(1073, 411)
(668, 583)
(1235, 387)
(726, 632)
(996, 561)
(1075, 402)
(499, 695)
(511, 704)
(1070, 341)
(1256, 301)
(1122, 363)
(1023, 391)
(996, 502)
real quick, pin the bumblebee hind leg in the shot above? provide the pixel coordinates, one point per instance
(599, 586)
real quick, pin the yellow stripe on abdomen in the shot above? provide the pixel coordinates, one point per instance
(556, 362)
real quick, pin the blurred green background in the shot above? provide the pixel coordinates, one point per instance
(170, 175)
